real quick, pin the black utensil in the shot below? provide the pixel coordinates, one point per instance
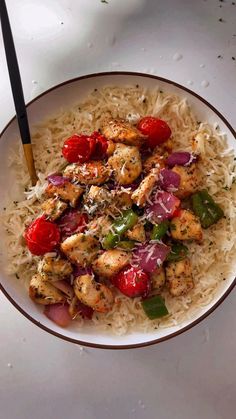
(17, 90)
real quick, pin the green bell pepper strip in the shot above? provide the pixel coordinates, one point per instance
(178, 252)
(206, 208)
(154, 307)
(126, 244)
(159, 230)
(119, 227)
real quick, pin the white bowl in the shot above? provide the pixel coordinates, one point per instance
(49, 103)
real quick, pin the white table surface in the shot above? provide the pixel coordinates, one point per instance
(194, 375)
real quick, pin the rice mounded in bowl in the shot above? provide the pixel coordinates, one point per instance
(212, 259)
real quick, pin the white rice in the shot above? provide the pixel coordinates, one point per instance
(212, 260)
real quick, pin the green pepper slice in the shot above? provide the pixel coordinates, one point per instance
(119, 227)
(204, 206)
(126, 244)
(155, 307)
(178, 252)
(159, 230)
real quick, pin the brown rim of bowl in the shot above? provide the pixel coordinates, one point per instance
(192, 324)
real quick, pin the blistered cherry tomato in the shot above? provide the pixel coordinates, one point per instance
(42, 236)
(78, 148)
(101, 146)
(132, 282)
(157, 130)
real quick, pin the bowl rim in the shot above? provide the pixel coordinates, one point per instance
(191, 324)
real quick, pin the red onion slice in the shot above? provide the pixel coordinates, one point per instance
(150, 255)
(180, 158)
(163, 207)
(169, 180)
(80, 270)
(65, 288)
(59, 314)
(73, 221)
(57, 180)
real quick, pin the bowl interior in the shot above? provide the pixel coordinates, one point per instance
(64, 96)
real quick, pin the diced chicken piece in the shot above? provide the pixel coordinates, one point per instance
(121, 131)
(110, 263)
(110, 148)
(142, 193)
(179, 277)
(89, 173)
(53, 208)
(121, 200)
(67, 192)
(126, 163)
(186, 226)
(137, 233)
(43, 292)
(93, 294)
(80, 248)
(190, 180)
(100, 226)
(96, 199)
(156, 160)
(54, 269)
(158, 279)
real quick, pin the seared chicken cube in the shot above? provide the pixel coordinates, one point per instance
(96, 199)
(80, 248)
(53, 208)
(110, 263)
(54, 269)
(42, 292)
(123, 199)
(186, 226)
(99, 226)
(156, 160)
(110, 148)
(93, 294)
(137, 233)
(126, 164)
(89, 173)
(190, 180)
(179, 277)
(67, 192)
(158, 279)
(142, 193)
(121, 131)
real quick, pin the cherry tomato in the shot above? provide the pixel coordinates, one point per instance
(132, 282)
(157, 130)
(42, 236)
(72, 222)
(177, 212)
(78, 148)
(101, 145)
